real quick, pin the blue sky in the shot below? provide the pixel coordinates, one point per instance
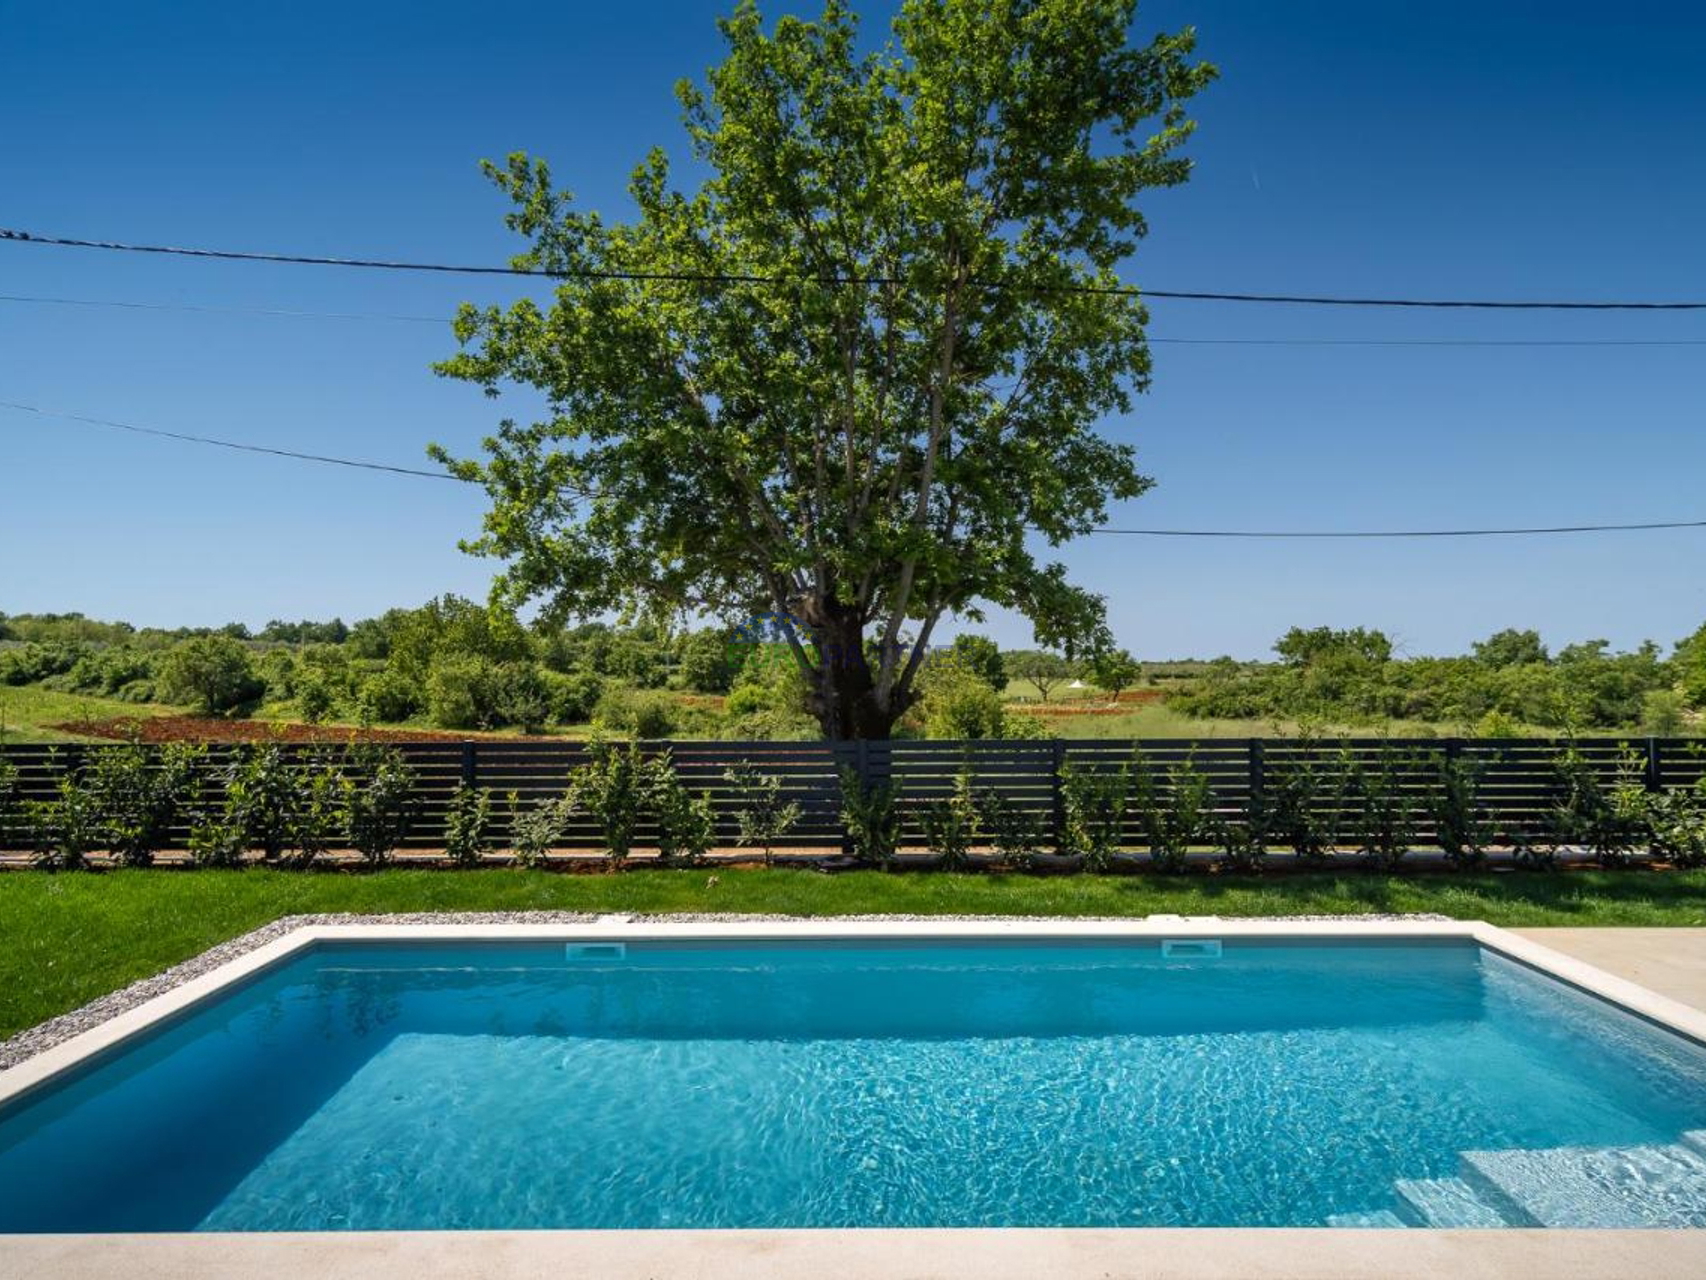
(1514, 149)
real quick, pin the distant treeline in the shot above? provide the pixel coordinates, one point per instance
(453, 663)
(1507, 681)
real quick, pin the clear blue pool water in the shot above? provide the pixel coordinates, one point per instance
(697, 1085)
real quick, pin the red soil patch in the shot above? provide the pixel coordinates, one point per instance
(1130, 700)
(205, 729)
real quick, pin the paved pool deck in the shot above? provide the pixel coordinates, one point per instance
(1669, 962)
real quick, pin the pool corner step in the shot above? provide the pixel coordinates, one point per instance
(1638, 1186)
(1375, 1218)
(1444, 1202)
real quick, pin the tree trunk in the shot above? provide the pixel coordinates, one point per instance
(845, 701)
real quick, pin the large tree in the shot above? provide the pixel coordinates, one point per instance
(854, 378)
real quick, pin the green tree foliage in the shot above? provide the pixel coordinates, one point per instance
(958, 703)
(982, 657)
(467, 825)
(379, 801)
(1302, 647)
(1690, 663)
(883, 451)
(1510, 648)
(1115, 671)
(1339, 676)
(305, 632)
(212, 673)
(141, 793)
(1043, 670)
(705, 665)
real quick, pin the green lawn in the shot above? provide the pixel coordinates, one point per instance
(65, 939)
(27, 711)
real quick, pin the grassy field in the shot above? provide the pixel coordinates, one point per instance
(27, 711)
(66, 939)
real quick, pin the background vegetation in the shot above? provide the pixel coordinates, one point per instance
(454, 665)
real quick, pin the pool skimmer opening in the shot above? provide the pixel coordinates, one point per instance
(1190, 948)
(595, 951)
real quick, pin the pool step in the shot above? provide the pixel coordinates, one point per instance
(1366, 1218)
(1695, 1138)
(1644, 1186)
(1444, 1202)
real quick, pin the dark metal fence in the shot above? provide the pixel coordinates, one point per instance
(1518, 781)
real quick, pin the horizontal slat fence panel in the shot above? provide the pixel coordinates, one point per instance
(1518, 783)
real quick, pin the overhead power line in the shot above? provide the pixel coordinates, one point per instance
(189, 438)
(689, 277)
(420, 473)
(220, 311)
(1162, 340)
(1405, 533)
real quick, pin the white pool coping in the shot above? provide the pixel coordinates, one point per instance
(746, 1254)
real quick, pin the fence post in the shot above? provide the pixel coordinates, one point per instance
(1057, 800)
(1258, 781)
(1655, 770)
(470, 765)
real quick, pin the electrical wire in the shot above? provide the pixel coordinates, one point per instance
(1160, 341)
(29, 237)
(190, 438)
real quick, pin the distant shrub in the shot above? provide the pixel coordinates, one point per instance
(214, 674)
(772, 725)
(1496, 724)
(573, 696)
(634, 714)
(458, 693)
(467, 825)
(519, 696)
(762, 815)
(30, 663)
(314, 700)
(959, 704)
(1662, 713)
(389, 697)
(106, 671)
(705, 666)
(982, 657)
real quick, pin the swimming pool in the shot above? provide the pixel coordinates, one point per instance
(706, 1080)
